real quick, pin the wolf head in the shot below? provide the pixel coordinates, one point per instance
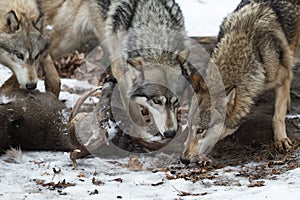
(159, 88)
(206, 119)
(23, 43)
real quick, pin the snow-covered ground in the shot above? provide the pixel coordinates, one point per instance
(99, 178)
(34, 178)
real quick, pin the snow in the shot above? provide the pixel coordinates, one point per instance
(293, 116)
(20, 181)
(203, 18)
(6, 100)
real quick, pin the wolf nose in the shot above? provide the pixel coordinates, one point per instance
(170, 134)
(31, 86)
(185, 161)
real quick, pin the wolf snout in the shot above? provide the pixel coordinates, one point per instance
(31, 86)
(185, 161)
(170, 134)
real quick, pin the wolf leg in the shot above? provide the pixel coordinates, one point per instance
(282, 101)
(10, 85)
(52, 80)
(131, 107)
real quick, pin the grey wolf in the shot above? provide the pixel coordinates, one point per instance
(256, 50)
(71, 23)
(23, 45)
(138, 36)
(66, 24)
(148, 48)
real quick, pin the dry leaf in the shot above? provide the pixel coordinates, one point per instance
(97, 182)
(157, 184)
(81, 175)
(117, 180)
(134, 164)
(257, 184)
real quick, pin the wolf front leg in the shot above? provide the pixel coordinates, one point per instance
(10, 85)
(52, 80)
(126, 83)
(282, 101)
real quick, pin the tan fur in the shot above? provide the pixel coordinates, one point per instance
(69, 22)
(26, 34)
(26, 9)
(252, 56)
(72, 21)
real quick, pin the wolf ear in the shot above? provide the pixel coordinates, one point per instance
(136, 67)
(39, 24)
(183, 55)
(230, 96)
(12, 21)
(198, 83)
(136, 62)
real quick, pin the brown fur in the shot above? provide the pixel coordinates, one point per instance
(24, 41)
(71, 22)
(253, 55)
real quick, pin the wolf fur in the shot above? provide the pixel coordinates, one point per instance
(68, 22)
(147, 44)
(256, 50)
(23, 45)
(135, 36)
(72, 21)
(134, 33)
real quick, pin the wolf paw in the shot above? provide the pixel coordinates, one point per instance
(284, 145)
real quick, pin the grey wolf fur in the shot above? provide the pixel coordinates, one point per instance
(256, 50)
(135, 33)
(152, 40)
(68, 23)
(147, 45)
(71, 21)
(23, 45)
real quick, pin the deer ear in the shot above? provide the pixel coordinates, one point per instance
(39, 24)
(183, 55)
(12, 21)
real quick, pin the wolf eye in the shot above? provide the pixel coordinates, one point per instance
(176, 102)
(156, 101)
(37, 56)
(20, 56)
(200, 131)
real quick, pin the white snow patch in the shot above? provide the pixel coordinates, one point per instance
(204, 19)
(112, 130)
(49, 27)
(6, 100)
(293, 116)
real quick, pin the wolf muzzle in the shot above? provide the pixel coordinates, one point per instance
(170, 134)
(31, 86)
